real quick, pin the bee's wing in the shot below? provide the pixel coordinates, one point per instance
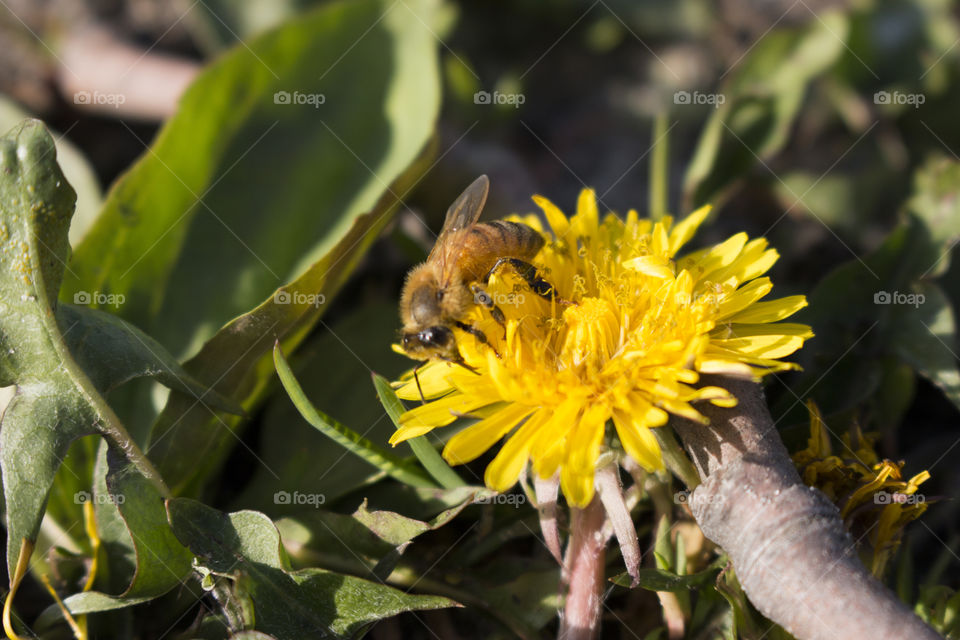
(464, 212)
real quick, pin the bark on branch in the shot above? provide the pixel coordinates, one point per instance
(787, 543)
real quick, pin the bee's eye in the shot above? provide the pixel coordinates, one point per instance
(435, 336)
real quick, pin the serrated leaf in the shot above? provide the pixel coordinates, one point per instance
(371, 535)
(245, 548)
(75, 165)
(113, 351)
(56, 401)
(160, 561)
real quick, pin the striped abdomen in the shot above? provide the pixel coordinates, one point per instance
(486, 242)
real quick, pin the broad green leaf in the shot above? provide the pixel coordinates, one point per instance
(762, 98)
(245, 549)
(274, 155)
(345, 437)
(56, 401)
(432, 461)
(373, 138)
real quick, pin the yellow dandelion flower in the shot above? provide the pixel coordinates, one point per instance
(634, 327)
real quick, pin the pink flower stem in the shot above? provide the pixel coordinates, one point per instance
(583, 573)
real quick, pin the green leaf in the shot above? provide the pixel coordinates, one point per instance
(762, 98)
(75, 166)
(159, 561)
(432, 461)
(373, 138)
(662, 580)
(528, 603)
(112, 352)
(256, 168)
(56, 401)
(344, 436)
(881, 310)
(84, 603)
(356, 341)
(924, 336)
(375, 539)
(245, 549)
(936, 201)
(397, 529)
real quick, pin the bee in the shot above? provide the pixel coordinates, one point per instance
(438, 293)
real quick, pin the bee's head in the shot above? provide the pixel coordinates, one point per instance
(436, 340)
(425, 302)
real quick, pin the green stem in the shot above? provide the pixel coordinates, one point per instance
(659, 168)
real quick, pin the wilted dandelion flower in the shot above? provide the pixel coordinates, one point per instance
(875, 501)
(634, 327)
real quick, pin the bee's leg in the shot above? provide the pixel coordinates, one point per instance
(459, 361)
(483, 298)
(479, 335)
(530, 275)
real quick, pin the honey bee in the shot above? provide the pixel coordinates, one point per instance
(438, 293)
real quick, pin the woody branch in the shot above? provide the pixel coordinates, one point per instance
(787, 542)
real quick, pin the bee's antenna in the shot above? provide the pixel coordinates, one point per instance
(416, 378)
